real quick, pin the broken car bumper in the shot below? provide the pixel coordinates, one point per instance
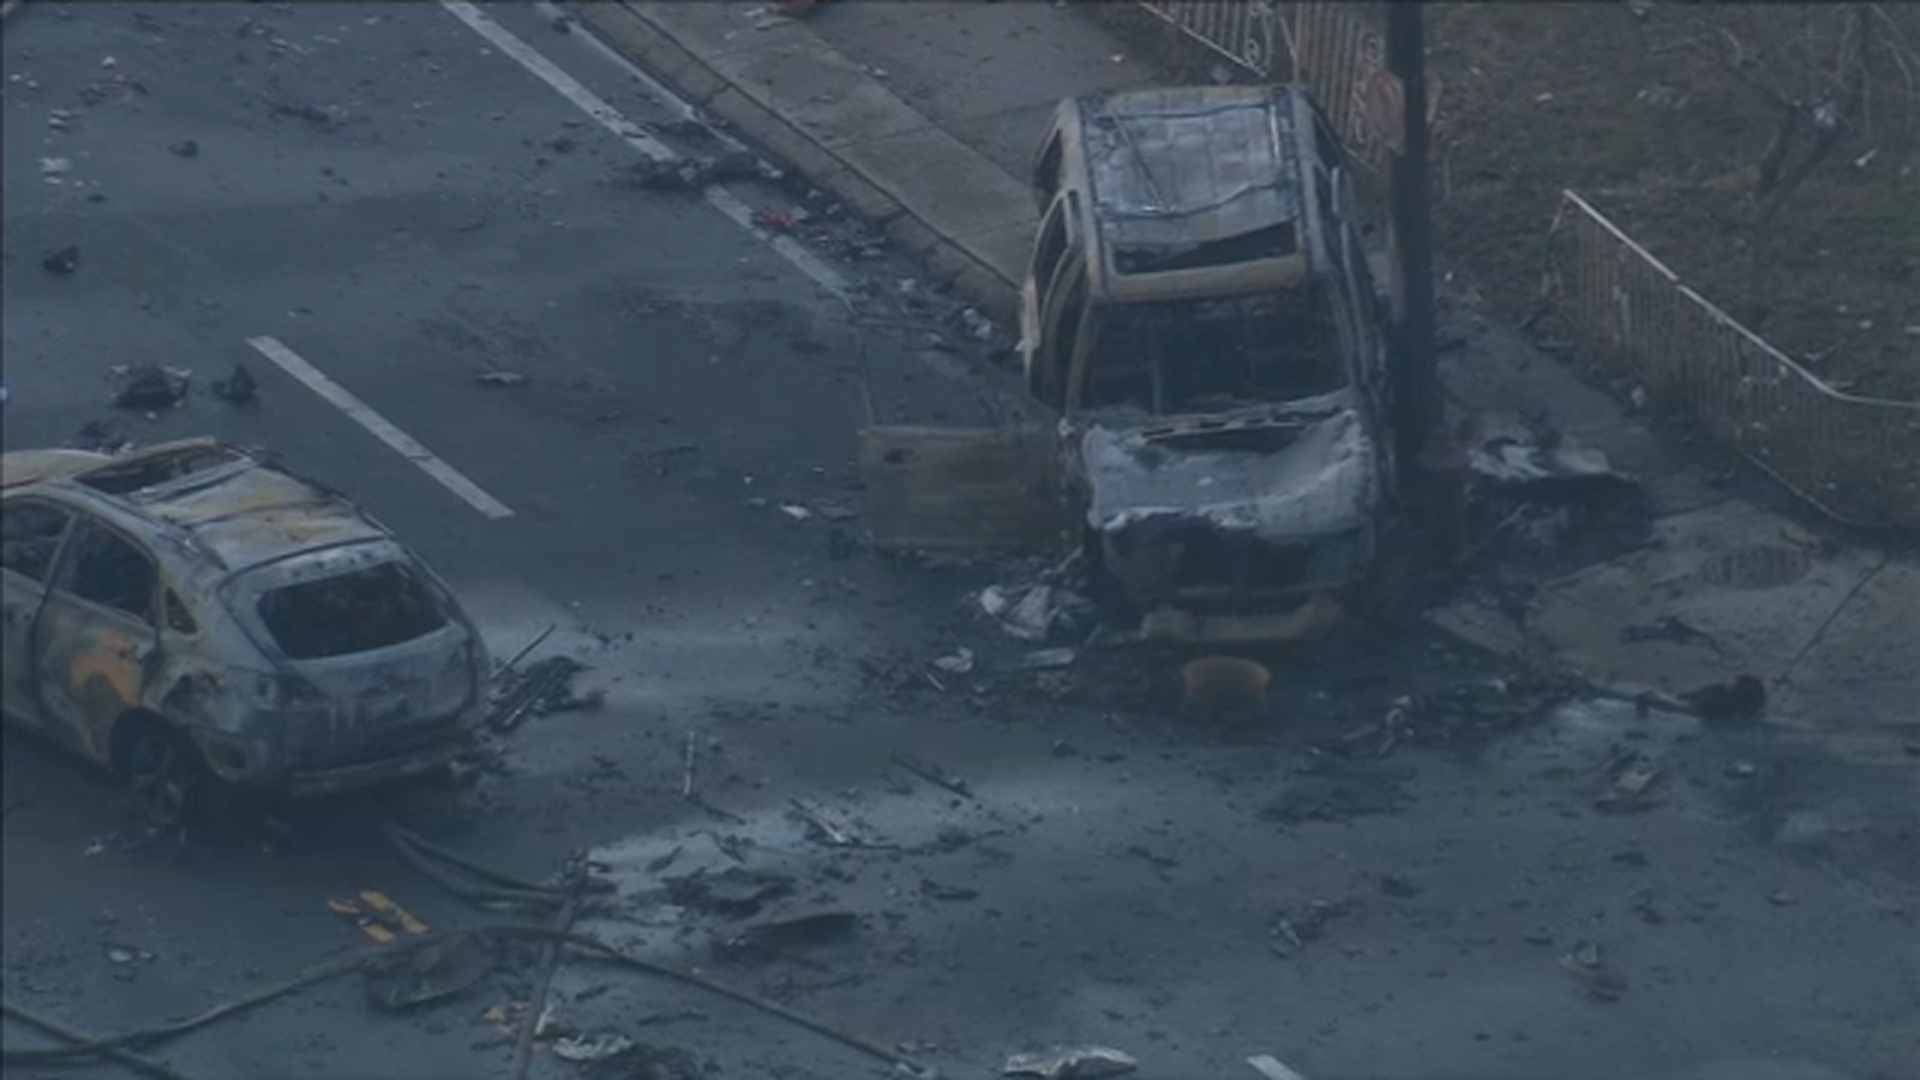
(327, 781)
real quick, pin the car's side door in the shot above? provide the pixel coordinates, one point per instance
(31, 531)
(95, 642)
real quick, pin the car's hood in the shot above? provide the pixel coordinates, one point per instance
(1281, 472)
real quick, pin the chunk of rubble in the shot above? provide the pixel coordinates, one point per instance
(1077, 1063)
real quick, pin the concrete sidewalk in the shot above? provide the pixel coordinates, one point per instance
(922, 115)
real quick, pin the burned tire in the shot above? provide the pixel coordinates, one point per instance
(164, 776)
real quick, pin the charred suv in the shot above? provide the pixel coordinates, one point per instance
(192, 613)
(1200, 316)
(1200, 309)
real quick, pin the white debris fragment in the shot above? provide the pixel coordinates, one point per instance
(796, 511)
(1078, 1063)
(958, 662)
(1270, 1067)
(1032, 618)
(580, 1048)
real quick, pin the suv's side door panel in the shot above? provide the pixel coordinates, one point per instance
(34, 530)
(94, 644)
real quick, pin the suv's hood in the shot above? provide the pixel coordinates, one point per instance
(1283, 472)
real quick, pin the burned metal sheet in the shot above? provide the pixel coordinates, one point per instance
(1289, 472)
(1179, 166)
(948, 489)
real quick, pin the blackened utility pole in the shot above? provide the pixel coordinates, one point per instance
(1432, 465)
(1416, 383)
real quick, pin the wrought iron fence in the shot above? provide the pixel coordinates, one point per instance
(1856, 458)
(1337, 48)
(1251, 33)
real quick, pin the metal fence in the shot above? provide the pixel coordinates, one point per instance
(1856, 458)
(1251, 33)
(1338, 48)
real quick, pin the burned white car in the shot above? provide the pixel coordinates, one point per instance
(192, 614)
(1200, 311)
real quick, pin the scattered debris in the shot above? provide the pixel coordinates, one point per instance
(238, 388)
(1048, 659)
(1079, 1063)
(525, 650)
(1463, 715)
(1743, 699)
(641, 1062)
(150, 388)
(501, 378)
(323, 116)
(580, 1048)
(1601, 983)
(441, 970)
(1271, 1068)
(1291, 931)
(185, 148)
(833, 828)
(933, 774)
(64, 261)
(646, 1062)
(1632, 778)
(958, 662)
(121, 955)
(686, 772)
(693, 174)
(935, 890)
(736, 892)
(766, 941)
(544, 688)
(1550, 465)
(973, 324)
(1782, 899)
(796, 511)
(101, 438)
(1335, 790)
(55, 166)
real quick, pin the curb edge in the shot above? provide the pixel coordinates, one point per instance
(951, 263)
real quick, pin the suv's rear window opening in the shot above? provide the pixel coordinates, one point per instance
(359, 611)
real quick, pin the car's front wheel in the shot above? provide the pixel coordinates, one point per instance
(162, 770)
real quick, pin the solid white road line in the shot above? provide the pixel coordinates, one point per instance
(361, 413)
(646, 145)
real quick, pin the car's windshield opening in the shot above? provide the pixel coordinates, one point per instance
(1219, 353)
(362, 610)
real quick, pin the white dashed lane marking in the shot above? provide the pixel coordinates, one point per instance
(634, 136)
(381, 428)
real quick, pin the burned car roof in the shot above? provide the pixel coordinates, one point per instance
(233, 503)
(20, 467)
(1183, 165)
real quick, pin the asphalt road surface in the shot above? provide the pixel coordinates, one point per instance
(384, 203)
